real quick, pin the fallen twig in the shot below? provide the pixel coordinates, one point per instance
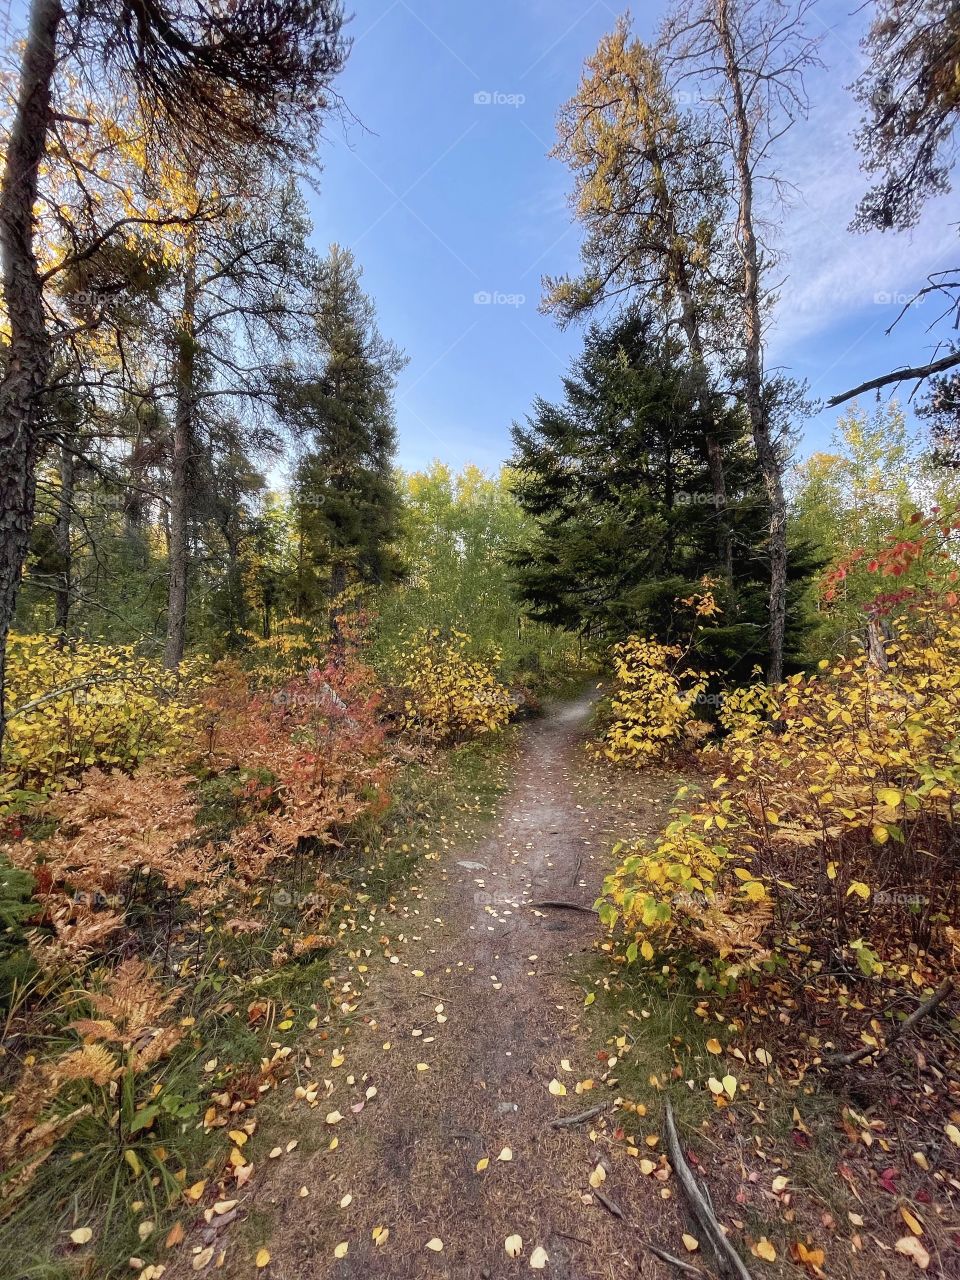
(679, 1263)
(565, 906)
(562, 1121)
(730, 1262)
(610, 1205)
(857, 1055)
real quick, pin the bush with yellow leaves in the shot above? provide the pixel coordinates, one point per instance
(77, 705)
(449, 692)
(829, 829)
(688, 898)
(653, 703)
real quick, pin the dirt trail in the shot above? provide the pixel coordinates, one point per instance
(483, 995)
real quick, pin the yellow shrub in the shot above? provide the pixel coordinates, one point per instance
(449, 693)
(653, 702)
(836, 795)
(86, 704)
(745, 711)
(688, 895)
(295, 646)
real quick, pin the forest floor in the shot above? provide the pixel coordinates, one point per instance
(461, 1037)
(415, 1133)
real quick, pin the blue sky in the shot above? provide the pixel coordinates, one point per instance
(443, 197)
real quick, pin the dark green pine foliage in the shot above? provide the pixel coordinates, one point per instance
(616, 477)
(346, 504)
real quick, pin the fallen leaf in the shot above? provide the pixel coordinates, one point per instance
(262, 1258)
(556, 1088)
(913, 1223)
(505, 1154)
(714, 1046)
(513, 1246)
(764, 1249)
(539, 1258)
(436, 1244)
(911, 1248)
(482, 1163)
(690, 1243)
(82, 1235)
(341, 1250)
(598, 1176)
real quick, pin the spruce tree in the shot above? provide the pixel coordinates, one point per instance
(617, 478)
(346, 503)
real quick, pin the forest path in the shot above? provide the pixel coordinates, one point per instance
(481, 1010)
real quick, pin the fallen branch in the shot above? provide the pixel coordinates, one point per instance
(590, 1112)
(564, 906)
(867, 1051)
(730, 1262)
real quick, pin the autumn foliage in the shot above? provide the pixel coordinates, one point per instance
(823, 834)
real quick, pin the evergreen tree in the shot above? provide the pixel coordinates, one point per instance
(345, 497)
(618, 480)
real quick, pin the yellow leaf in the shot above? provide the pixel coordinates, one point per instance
(765, 1250)
(646, 950)
(557, 1089)
(539, 1258)
(714, 1045)
(262, 1258)
(859, 888)
(436, 1244)
(690, 1243)
(505, 1154)
(341, 1249)
(913, 1223)
(953, 1133)
(82, 1235)
(598, 1176)
(730, 1086)
(482, 1163)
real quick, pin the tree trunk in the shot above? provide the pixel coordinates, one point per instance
(28, 352)
(338, 584)
(64, 542)
(714, 449)
(677, 268)
(183, 435)
(767, 454)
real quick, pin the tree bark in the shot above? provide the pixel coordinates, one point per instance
(764, 443)
(28, 354)
(182, 449)
(64, 542)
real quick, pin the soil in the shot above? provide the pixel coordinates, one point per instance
(487, 993)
